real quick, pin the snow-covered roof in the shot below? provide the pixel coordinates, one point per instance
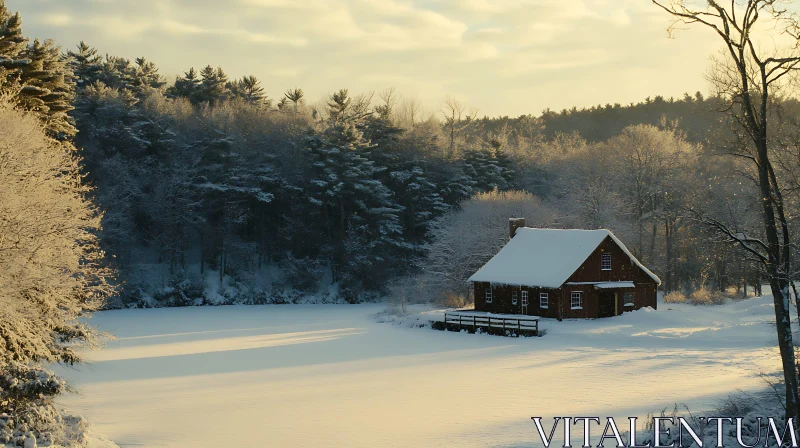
(546, 257)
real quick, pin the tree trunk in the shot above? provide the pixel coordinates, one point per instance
(796, 301)
(743, 276)
(668, 242)
(653, 240)
(777, 268)
(202, 251)
(781, 301)
(223, 258)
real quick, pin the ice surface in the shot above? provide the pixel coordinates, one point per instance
(330, 375)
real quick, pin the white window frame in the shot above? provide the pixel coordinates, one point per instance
(605, 260)
(576, 295)
(524, 298)
(488, 295)
(544, 300)
(514, 297)
(629, 303)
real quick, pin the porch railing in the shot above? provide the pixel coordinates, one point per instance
(519, 325)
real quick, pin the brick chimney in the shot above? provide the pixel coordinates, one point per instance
(513, 225)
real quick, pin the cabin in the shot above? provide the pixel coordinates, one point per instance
(563, 274)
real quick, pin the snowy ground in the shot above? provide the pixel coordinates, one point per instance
(330, 375)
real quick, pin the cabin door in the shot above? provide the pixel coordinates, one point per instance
(606, 304)
(524, 302)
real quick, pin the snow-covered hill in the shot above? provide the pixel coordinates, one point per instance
(330, 375)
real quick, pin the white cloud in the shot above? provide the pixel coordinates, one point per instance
(483, 50)
(56, 19)
(176, 27)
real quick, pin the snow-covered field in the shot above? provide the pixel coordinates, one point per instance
(330, 375)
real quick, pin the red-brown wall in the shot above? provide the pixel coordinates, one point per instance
(588, 300)
(502, 300)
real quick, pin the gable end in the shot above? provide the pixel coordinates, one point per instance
(624, 266)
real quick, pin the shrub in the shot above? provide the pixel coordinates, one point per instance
(26, 397)
(675, 297)
(453, 300)
(703, 296)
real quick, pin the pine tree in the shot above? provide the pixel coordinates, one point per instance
(213, 85)
(186, 87)
(352, 201)
(145, 78)
(12, 43)
(36, 73)
(504, 163)
(116, 72)
(338, 107)
(489, 168)
(404, 174)
(283, 103)
(86, 64)
(295, 96)
(249, 89)
(48, 86)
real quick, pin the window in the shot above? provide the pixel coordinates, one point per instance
(489, 295)
(576, 303)
(627, 299)
(605, 262)
(544, 300)
(513, 297)
(524, 298)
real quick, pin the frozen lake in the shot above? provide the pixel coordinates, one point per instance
(329, 375)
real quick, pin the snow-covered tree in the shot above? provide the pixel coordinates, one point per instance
(187, 86)
(146, 78)
(51, 269)
(213, 85)
(36, 74)
(86, 64)
(48, 86)
(463, 240)
(12, 42)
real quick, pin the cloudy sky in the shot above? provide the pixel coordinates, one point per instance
(504, 57)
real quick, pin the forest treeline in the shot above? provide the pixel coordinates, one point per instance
(215, 190)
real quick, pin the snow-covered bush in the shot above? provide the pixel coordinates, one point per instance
(26, 396)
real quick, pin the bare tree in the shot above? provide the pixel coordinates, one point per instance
(748, 77)
(649, 159)
(457, 118)
(389, 101)
(411, 112)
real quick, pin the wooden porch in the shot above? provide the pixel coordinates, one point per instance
(473, 321)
